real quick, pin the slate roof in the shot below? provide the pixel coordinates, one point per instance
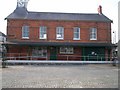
(2, 34)
(22, 13)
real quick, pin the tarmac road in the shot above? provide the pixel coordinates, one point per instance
(60, 76)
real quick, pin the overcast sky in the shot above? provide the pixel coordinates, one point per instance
(110, 9)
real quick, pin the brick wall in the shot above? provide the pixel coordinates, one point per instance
(14, 30)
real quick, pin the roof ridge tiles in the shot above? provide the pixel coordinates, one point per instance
(63, 13)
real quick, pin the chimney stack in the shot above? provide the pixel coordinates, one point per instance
(22, 3)
(100, 9)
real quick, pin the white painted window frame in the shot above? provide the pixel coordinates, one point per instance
(93, 33)
(43, 31)
(74, 32)
(59, 31)
(23, 32)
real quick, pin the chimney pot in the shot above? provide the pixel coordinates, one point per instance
(100, 9)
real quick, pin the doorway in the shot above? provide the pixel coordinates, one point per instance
(53, 53)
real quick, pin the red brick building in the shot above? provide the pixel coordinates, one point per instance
(58, 36)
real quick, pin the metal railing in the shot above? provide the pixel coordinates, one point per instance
(25, 56)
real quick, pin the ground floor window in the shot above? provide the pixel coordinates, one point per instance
(66, 50)
(39, 51)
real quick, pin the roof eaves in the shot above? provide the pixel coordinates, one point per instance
(60, 44)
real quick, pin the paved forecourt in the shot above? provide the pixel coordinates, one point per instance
(60, 76)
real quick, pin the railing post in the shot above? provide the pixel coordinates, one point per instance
(84, 57)
(97, 57)
(67, 58)
(3, 61)
(88, 58)
(101, 58)
(3, 55)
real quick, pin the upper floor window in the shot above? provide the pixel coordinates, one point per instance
(93, 34)
(43, 32)
(76, 33)
(59, 33)
(25, 32)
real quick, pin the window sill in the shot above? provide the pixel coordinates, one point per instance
(25, 37)
(76, 39)
(59, 39)
(43, 38)
(93, 39)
